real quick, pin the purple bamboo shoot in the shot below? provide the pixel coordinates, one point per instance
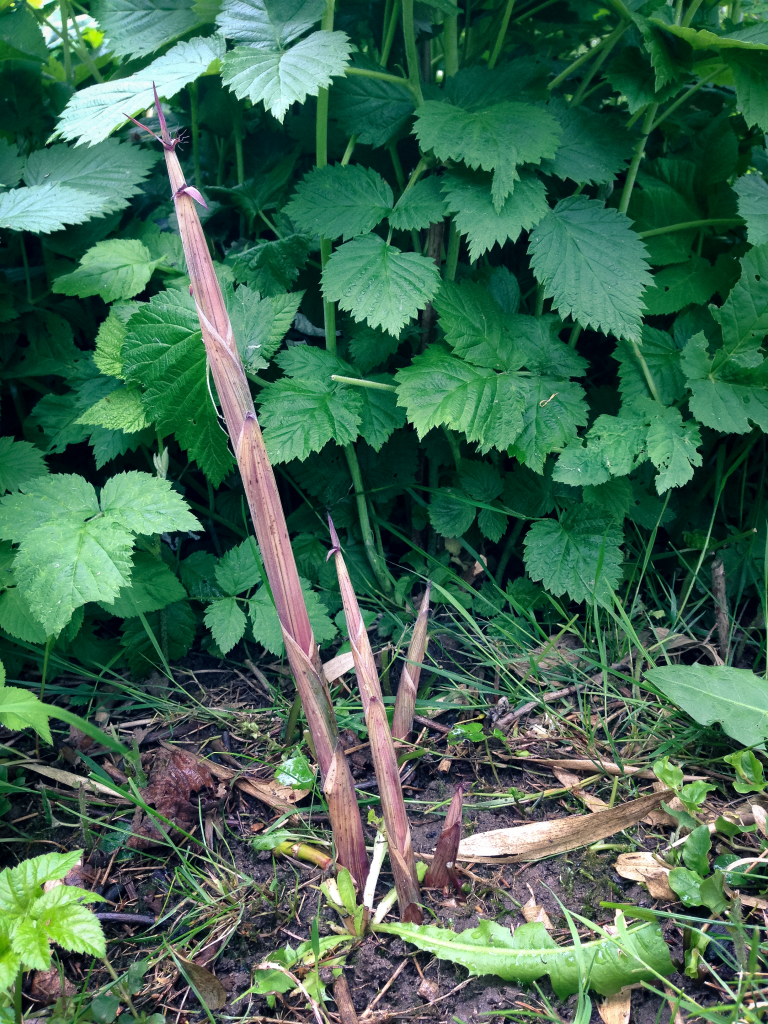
(405, 704)
(441, 871)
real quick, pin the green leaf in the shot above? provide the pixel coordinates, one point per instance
(271, 267)
(153, 586)
(501, 136)
(672, 448)
(117, 269)
(632, 75)
(369, 108)
(744, 314)
(112, 171)
(336, 201)
(135, 28)
(268, 23)
(369, 348)
(69, 925)
(239, 569)
(226, 621)
(164, 352)
(750, 74)
(46, 208)
(687, 885)
(451, 512)
(21, 37)
(297, 773)
(259, 325)
(676, 287)
(266, 625)
(728, 397)
(592, 265)
(438, 388)
(280, 78)
(419, 206)
(178, 624)
(749, 772)
(20, 464)
(379, 283)
(662, 354)
(17, 619)
(565, 555)
(752, 191)
(146, 504)
(108, 356)
(695, 850)
(734, 697)
(11, 164)
(753, 37)
(593, 147)
(552, 412)
(123, 409)
(605, 964)
(198, 574)
(93, 113)
(469, 197)
(379, 413)
(615, 445)
(20, 709)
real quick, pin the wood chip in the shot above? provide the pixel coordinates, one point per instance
(644, 867)
(428, 990)
(615, 1009)
(547, 838)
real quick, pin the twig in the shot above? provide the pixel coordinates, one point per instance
(430, 724)
(127, 918)
(369, 1008)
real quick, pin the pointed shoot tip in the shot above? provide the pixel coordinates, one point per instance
(336, 543)
(166, 135)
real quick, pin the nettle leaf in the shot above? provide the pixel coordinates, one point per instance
(336, 201)
(20, 463)
(726, 395)
(302, 413)
(661, 352)
(69, 554)
(379, 283)
(593, 147)
(280, 78)
(419, 206)
(259, 325)
(266, 625)
(271, 267)
(112, 170)
(469, 197)
(438, 388)
(553, 411)
(369, 108)
(592, 265)
(46, 208)
(153, 586)
(451, 513)
(676, 287)
(379, 413)
(750, 71)
(11, 163)
(226, 621)
(565, 555)
(108, 356)
(163, 351)
(370, 348)
(752, 191)
(116, 269)
(135, 28)
(268, 23)
(744, 314)
(498, 138)
(123, 409)
(93, 113)
(672, 448)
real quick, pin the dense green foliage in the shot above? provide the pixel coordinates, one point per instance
(498, 274)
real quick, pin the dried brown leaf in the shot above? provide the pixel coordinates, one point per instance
(615, 1009)
(208, 986)
(532, 911)
(46, 987)
(643, 867)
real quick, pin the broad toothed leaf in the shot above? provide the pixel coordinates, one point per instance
(336, 201)
(726, 395)
(226, 621)
(369, 108)
(662, 356)
(752, 191)
(593, 147)
(259, 325)
(135, 28)
(123, 410)
(676, 287)
(117, 269)
(270, 268)
(20, 709)
(46, 208)
(419, 206)
(20, 464)
(268, 23)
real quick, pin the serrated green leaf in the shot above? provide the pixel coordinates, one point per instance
(379, 413)
(726, 395)
(662, 354)
(336, 201)
(238, 570)
(379, 283)
(108, 356)
(116, 269)
(672, 448)
(752, 191)
(753, 37)
(676, 287)
(369, 108)
(20, 709)
(164, 352)
(565, 555)
(123, 409)
(592, 265)
(93, 113)
(552, 412)
(112, 171)
(480, 480)
(268, 23)
(485, 223)
(437, 388)
(153, 586)
(259, 325)
(145, 504)
(17, 619)
(451, 512)
(198, 574)
(46, 208)
(280, 78)
(11, 164)
(270, 268)
(135, 28)
(593, 147)
(20, 36)
(226, 621)
(266, 625)
(501, 137)
(744, 314)
(370, 348)
(615, 498)
(632, 75)
(20, 464)
(615, 446)
(419, 206)
(750, 74)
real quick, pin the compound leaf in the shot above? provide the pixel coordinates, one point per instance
(268, 23)
(226, 621)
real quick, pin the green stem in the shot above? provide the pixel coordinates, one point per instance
(646, 372)
(390, 36)
(454, 446)
(363, 383)
(382, 76)
(451, 44)
(369, 542)
(509, 548)
(539, 300)
(329, 308)
(321, 160)
(574, 336)
(411, 53)
(634, 167)
(64, 11)
(611, 41)
(84, 55)
(237, 126)
(502, 33)
(349, 150)
(689, 225)
(293, 717)
(51, 640)
(17, 996)
(686, 95)
(25, 261)
(398, 167)
(578, 62)
(452, 256)
(195, 128)
(691, 12)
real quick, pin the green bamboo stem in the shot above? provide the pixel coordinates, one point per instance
(451, 44)
(411, 53)
(502, 34)
(369, 542)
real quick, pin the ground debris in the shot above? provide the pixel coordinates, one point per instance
(174, 775)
